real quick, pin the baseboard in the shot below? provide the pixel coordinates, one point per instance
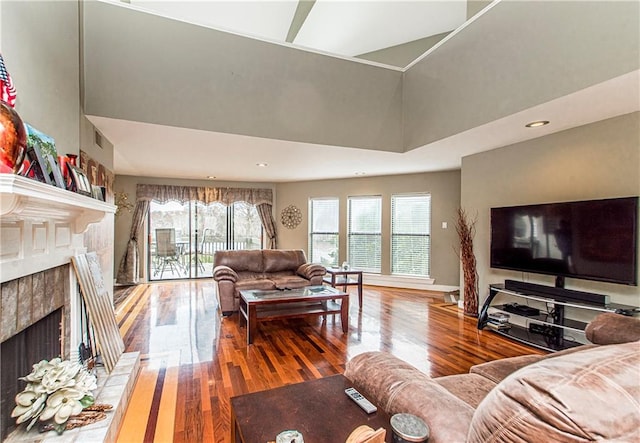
(395, 281)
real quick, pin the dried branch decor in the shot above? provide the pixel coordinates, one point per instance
(466, 229)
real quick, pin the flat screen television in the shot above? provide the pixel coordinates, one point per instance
(592, 240)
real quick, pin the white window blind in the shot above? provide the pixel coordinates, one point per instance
(410, 234)
(324, 230)
(365, 233)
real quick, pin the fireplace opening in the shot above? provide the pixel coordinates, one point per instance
(40, 341)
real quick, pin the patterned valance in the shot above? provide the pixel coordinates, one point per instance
(206, 195)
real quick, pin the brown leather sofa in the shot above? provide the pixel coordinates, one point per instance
(265, 269)
(586, 393)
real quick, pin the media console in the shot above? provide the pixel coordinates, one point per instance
(548, 328)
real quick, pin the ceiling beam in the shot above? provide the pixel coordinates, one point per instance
(302, 11)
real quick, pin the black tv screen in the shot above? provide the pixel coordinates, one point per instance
(592, 240)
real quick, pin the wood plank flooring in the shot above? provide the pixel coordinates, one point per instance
(194, 361)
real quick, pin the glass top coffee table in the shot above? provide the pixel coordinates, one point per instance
(257, 306)
(318, 409)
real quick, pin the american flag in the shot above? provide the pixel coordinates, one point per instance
(7, 89)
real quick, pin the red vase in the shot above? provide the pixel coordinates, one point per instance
(13, 139)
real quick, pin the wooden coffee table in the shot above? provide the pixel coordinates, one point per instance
(257, 306)
(318, 409)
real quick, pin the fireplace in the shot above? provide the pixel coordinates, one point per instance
(41, 228)
(40, 341)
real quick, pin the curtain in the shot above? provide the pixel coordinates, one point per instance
(268, 223)
(128, 272)
(184, 194)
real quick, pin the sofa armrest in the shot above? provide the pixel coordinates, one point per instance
(396, 386)
(609, 328)
(310, 270)
(224, 273)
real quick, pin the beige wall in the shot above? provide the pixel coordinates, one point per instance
(444, 188)
(281, 92)
(40, 46)
(517, 55)
(128, 184)
(599, 160)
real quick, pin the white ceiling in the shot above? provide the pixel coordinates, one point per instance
(149, 150)
(346, 28)
(339, 27)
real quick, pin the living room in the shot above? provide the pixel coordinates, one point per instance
(598, 157)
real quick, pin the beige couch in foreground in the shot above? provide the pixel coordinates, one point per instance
(587, 393)
(263, 269)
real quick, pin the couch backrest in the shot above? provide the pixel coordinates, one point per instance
(261, 260)
(246, 260)
(582, 396)
(276, 260)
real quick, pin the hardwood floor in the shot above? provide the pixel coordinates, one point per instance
(194, 361)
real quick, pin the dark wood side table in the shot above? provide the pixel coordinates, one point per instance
(339, 277)
(318, 409)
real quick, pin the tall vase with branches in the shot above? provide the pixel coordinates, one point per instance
(466, 229)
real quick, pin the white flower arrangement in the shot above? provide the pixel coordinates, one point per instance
(55, 390)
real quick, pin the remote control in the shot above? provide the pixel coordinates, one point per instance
(365, 404)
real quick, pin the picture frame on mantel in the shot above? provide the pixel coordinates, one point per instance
(37, 164)
(79, 181)
(56, 174)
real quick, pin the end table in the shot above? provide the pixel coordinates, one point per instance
(343, 278)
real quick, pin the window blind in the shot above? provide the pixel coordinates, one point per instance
(324, 231)
(410, 234)
(365, 233)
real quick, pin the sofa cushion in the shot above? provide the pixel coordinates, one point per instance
(470, 388)
(288, 281)
(245, 260)
(258, 284)
(498, 370)
(588, 395)
(276, 260)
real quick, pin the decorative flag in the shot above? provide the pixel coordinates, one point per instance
(7, 90)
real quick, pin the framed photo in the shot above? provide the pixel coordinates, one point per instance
(56, 174)
(38, 164)
(79, 181)
(47, 146)
(97, 192)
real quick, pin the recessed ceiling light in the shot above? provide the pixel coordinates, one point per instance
(261, 165)
(211, 177)
(360, 173)
(537, 124)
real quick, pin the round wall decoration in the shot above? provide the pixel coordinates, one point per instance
(291, 217)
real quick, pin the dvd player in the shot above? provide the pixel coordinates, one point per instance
(524, 310)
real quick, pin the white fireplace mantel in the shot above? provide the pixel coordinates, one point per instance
(23, 198)
(42, 225)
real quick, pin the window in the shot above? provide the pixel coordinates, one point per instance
(410, 234)
(197, 232)
(323, 231)
(365, 233)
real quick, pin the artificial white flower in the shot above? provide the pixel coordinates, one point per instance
(85, 382)
(39, 369)
(62, 404)
(29, 404)
(55, 390)
(60, 376)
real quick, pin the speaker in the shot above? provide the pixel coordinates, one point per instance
(559, 294)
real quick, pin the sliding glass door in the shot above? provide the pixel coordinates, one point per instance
(184, 237)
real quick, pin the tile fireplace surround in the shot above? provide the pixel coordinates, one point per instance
(41, 229)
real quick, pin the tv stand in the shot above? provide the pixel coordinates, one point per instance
(548, 329)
